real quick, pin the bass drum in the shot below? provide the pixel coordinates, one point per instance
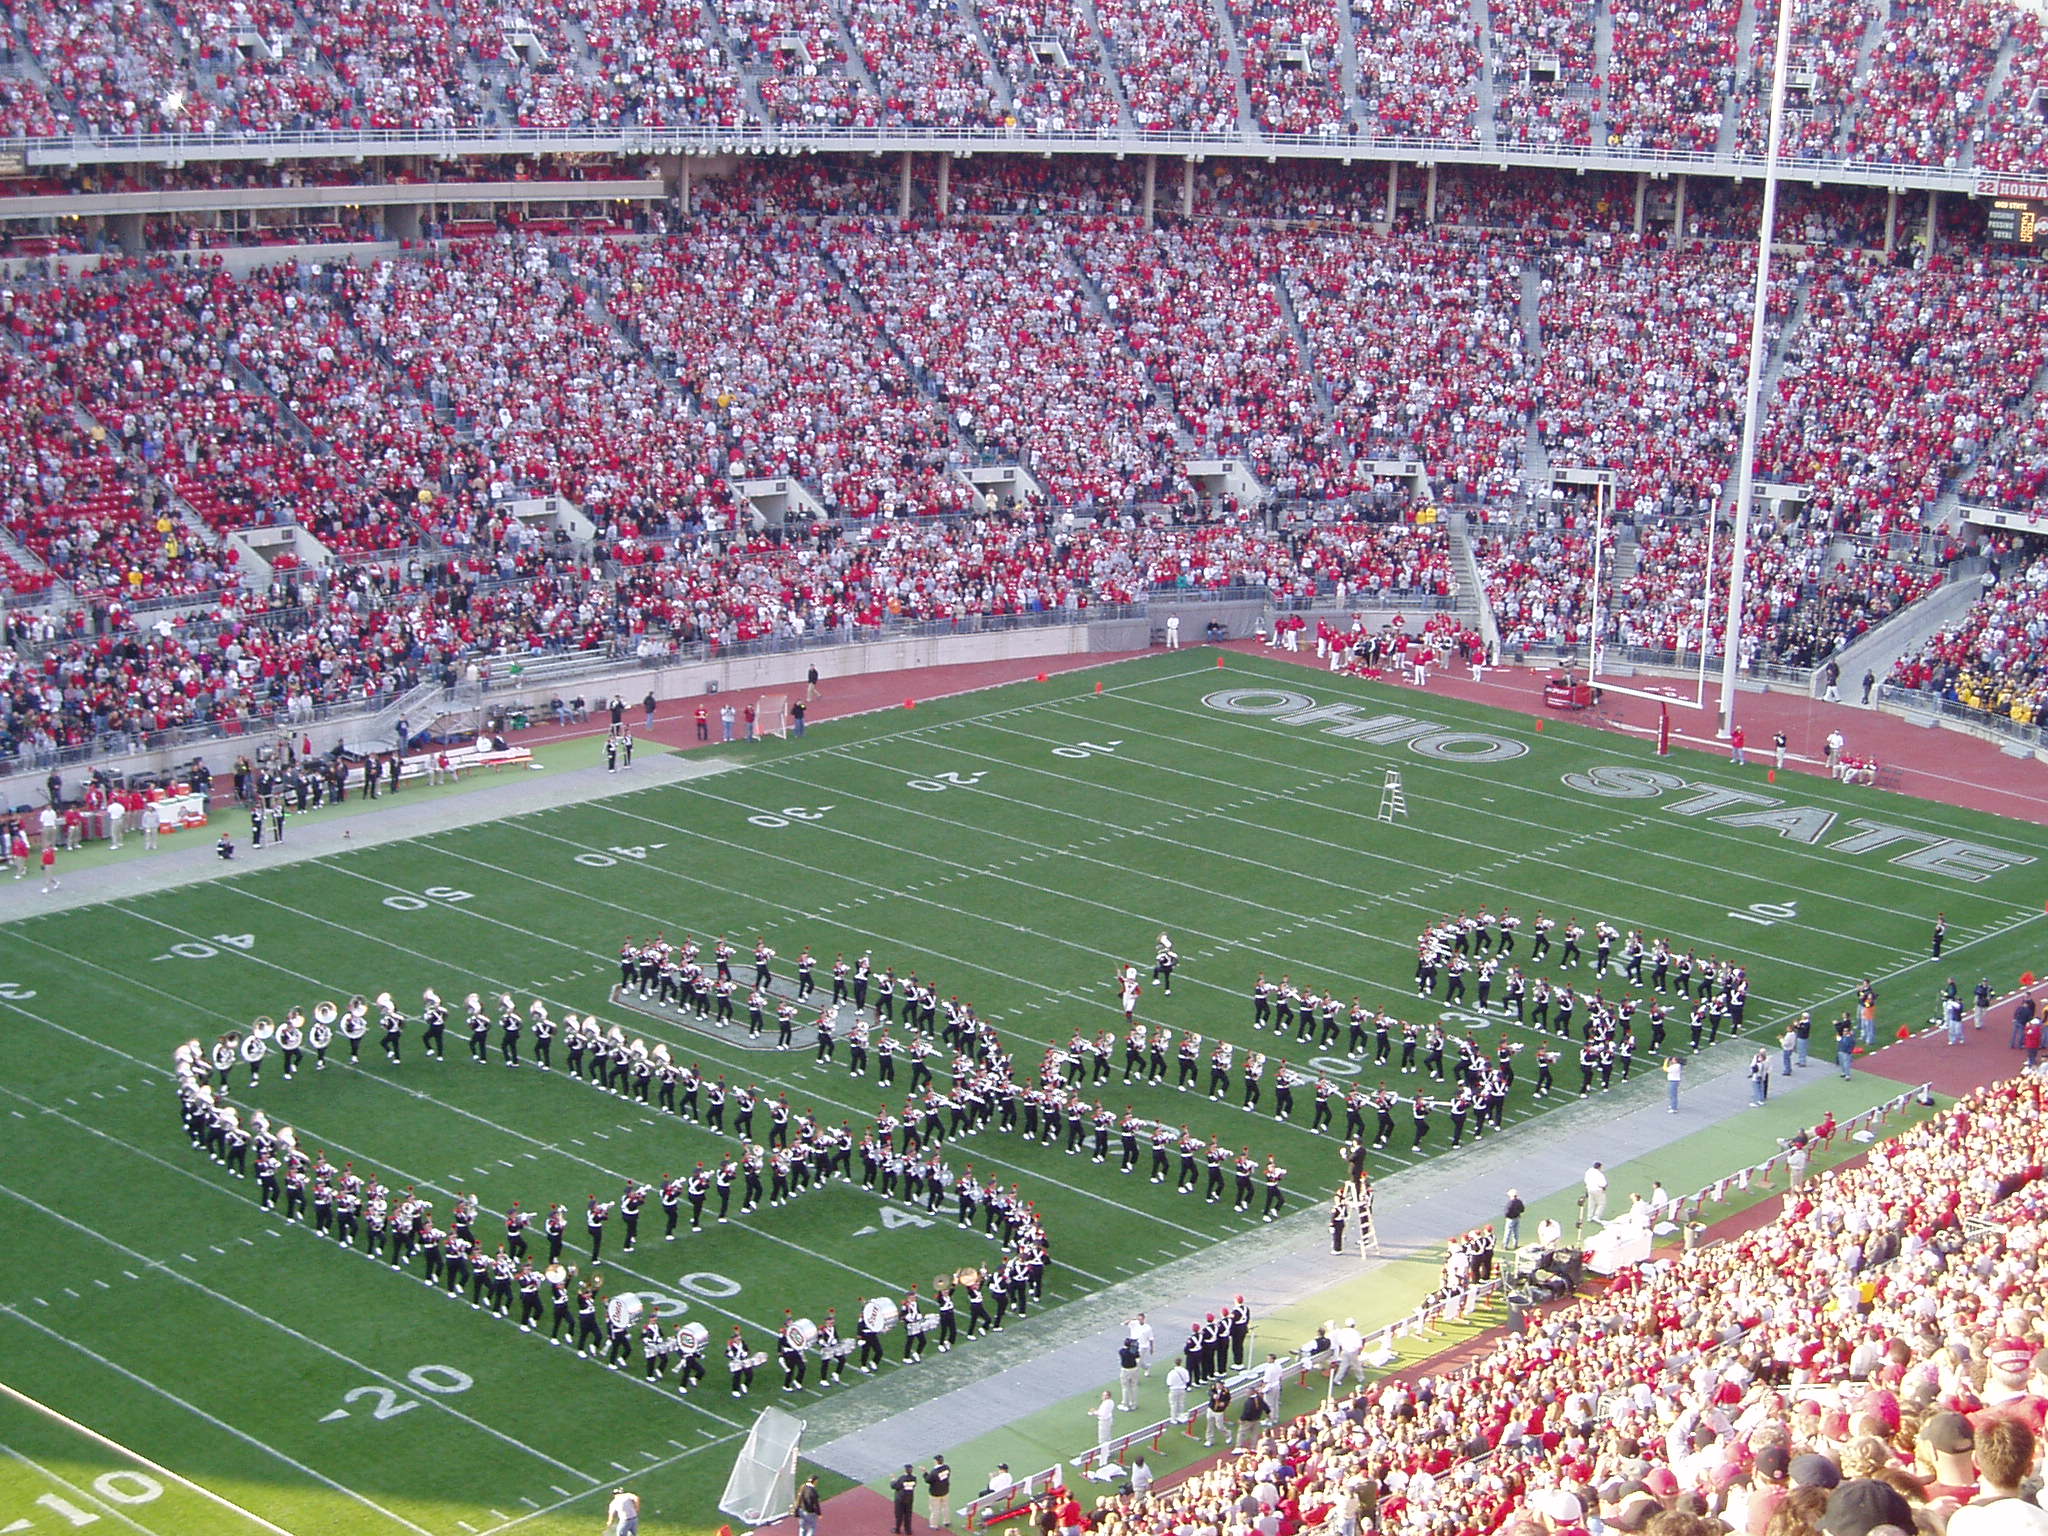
(802, 1332)
(624, 1309)
(695, 1336)
(879, 1315)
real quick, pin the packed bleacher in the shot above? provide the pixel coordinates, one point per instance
(1923, 87)
(787, 327)
(356, 632)
(1819, 1373)
(1995, 658)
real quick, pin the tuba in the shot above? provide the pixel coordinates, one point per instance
(357, 1005)
(431, 998)
(386, 1002)
(473, 1003)
(325, 1012)
(264, 1027)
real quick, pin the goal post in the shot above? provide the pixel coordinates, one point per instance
(763, 1482)
(1600, 605)
(774, 714)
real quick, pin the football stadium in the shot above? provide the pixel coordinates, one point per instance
(1160, 767)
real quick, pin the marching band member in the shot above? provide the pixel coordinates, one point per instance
(688, 1347)
(739, 1363)
(832, 1350)
(393, 1025)
(291, 1040)
(434, 1022)
(791, 1346)
(255, 1046)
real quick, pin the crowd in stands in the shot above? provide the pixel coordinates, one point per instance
(927, 65)
(367, 630)
(1420, 345)
(1827, 42)
(1418, 67)
(397, 405)
(1174, 65)
(1869, 1360)
(1031, 366)
(1645, 352)
(1926, 82)
(1293, 64)
(1806, 594)
(1921, 89)
(1053, 59)
(1995, 658)
(1670, 72)
(1897, 379)
(1543, 79)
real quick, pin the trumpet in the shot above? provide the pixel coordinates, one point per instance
(325, 1012)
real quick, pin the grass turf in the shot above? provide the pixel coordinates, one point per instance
(1012, 845)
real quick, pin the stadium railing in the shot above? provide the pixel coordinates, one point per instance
(1376, 1353)
(1688, 1208)
(758, 138)
(1981, 722)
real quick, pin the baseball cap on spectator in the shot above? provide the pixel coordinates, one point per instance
(2013, 1357)
(1835, 1426)
(1773, 1464)
(1661, 1481)
(1560, 1506)
(1813, 1470)
(1634, 1509)
(1861, 1505)
(1950, 1434)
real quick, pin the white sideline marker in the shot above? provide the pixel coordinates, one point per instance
(113, 1445)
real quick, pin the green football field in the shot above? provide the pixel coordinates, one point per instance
(1014, 845)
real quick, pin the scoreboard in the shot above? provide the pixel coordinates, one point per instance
(2017, 209)
(2016, 219)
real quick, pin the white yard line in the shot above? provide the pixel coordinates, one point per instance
(135, 1256)
(108, 1506)
(220, 1424)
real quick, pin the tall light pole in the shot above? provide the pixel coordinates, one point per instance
(1753, 404)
